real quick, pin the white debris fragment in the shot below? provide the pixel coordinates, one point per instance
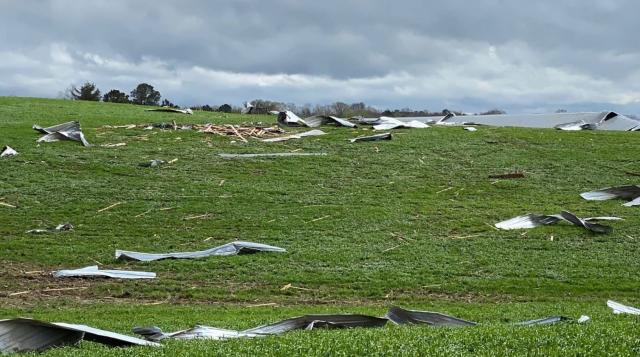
(8, 151)
(619, 308)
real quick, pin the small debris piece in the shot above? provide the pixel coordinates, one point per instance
(536, 220)
(7, 205)
(289, 119)
(470, 128)
(21, 335)
(378, 137)
(295, 136)
(631, 193)
(8, 151)
(290, 286)
(110, 207)
(512, 175)
(197, 217)
(619, 308)
(113, 145)
(545, 321)
(171, 110)
(173, 161)
(94, 271)
(279, 154)
(59, 228)
(233, 248)
(153, 163)
(66, 131)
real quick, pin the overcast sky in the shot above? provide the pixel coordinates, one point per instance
(522, 56)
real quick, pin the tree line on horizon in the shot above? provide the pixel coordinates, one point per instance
(146, 94)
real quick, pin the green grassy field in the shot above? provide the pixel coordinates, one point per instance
(406, 222)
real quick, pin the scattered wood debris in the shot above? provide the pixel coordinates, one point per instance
(109, 207)
(240, 131)
(290, 286)
(511, 175)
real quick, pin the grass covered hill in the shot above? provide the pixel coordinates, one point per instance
(405, 222)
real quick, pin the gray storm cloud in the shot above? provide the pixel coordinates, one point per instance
(470, 55)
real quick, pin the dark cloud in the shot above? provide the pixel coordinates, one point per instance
(413, 53)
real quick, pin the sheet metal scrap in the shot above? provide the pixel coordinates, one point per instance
(59, 228)
(306, 322)
(295, 136)
(619, 308)
(388, 123)
(153, 163)
(630, 193)
(536, 220)
(171, 110)
(233, 248)
(65, 131)
(319, 120)
(545, 321)
(377, 137)
(270, 155)
(400, 316)
(21, 335)
(93, 271)
(289, 119)
(8, 151)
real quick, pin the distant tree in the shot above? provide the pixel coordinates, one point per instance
(87, 91)
(561, 111)
(144, 94)
(115, 96)
(225, 108)
(167, 103)
(494, 112)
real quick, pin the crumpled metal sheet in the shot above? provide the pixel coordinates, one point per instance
(629, 192)
(65, 131)
(94, 271)
(155, 334)
(152, 163)
(536, 220)
(8, 151)
(319, 120)
(171, 110)
(377, 137)
(545, 321)
(268, 155)
(306, 322)
(288, 118)
(619, 308)
(233, 248)
(59, 228)
(561, 121)
(22, 335)
(388, 123)
(295, 136)
(400, 316)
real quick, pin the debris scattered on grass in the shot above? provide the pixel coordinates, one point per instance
(619, 308)
(318, 219)
(319, 120)
(94, 271)
(511, 175)
(153, 163)
(288, 118)
(536, 220)
(233, 248)
(630, 192)
(59, 228)
(470, 128)
(65, 131)
(7, 205)
(295, 136)
(290, 286)
(110, 207)
(113, 145)
(171, 110)
(188, 218)
(8, 151)
(21, 335)
(276, 154)
(378, 137)
(387, 123)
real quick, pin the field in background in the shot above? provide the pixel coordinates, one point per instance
(405, 222)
